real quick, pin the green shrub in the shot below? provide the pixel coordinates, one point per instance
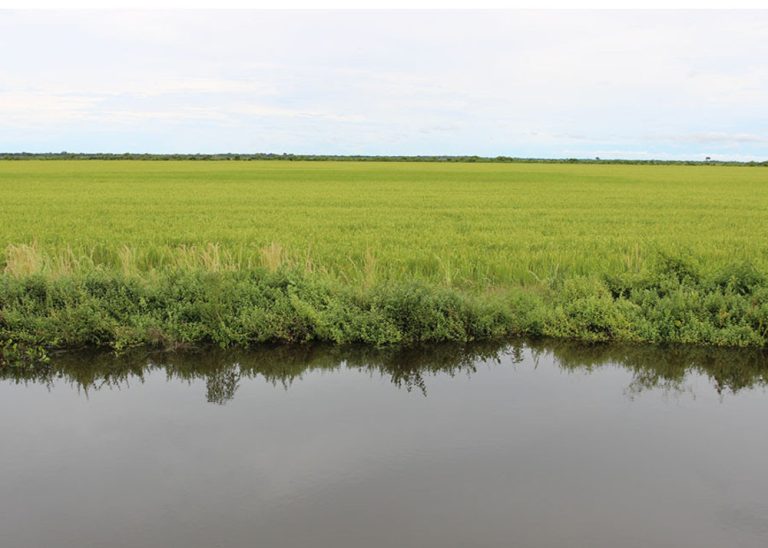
(670, 302)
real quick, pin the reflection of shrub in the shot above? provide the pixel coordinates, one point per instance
(408, 367)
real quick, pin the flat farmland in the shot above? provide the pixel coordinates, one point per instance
(238, 253)
(471, 226)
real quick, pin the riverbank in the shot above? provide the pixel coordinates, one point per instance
(669, 303)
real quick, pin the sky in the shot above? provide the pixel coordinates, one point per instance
(549, 84)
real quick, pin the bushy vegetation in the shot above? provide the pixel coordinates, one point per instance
(233, 308)
(119, 254)
(672, 303)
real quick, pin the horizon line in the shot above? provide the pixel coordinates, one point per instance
(369, 157)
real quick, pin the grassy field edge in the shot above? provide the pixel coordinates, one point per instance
(672, 302)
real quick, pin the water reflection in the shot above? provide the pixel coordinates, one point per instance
(652, 367)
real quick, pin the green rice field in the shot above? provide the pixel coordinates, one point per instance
(521, 241)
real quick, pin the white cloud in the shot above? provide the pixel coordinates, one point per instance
(518, 83)
(714, 137)
(17, 108)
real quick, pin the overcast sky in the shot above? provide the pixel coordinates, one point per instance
(543, 84)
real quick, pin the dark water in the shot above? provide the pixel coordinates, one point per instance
(526, 445)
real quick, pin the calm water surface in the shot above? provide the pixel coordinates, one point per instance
(524, 445)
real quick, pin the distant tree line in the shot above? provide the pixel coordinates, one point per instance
(353, 158)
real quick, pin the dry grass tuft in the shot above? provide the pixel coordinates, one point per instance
(23, 260)
(273, 256)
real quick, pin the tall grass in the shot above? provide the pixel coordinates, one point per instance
(472, 226)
